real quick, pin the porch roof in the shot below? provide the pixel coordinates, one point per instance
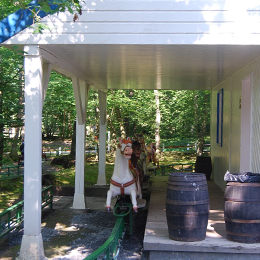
(149, 44)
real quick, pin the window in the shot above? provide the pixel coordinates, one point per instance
(220, 117)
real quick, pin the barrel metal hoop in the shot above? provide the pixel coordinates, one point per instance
(190, 214)
(178, 179)
(202, 183)
(243, 221)
(174, 202)
(242, 234)
(174, 227)
(190, 188)
(252, 200)
(244, 184)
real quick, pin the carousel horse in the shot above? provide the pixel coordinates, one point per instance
(148, 156)
(151, 156)
(122, 181)
(143, 156)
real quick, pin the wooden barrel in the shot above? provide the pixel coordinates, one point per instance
(187, 206)
(203, 165)
(242, 212)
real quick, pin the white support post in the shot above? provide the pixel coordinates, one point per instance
(79, 105)
(79, 201)
(46, 73)
(81, 91)
(102, 138)
(32, 244)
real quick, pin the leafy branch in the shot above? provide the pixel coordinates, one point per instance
(47, 6)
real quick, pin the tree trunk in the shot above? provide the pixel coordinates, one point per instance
(111, 126)
(73, 143)
(157, 121)
(1, 129)
(64, 124)
(201, 123)
(13, 153)
(121, 123)
(126, 126)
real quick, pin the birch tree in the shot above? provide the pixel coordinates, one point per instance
(157, 120)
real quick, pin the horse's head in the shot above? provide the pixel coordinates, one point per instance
(125, 146)
(139, 138)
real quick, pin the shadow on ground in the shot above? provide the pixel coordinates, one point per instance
(74, 234)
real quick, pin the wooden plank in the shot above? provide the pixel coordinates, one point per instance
(152, 224)
(149, 28)
(156, 217)
(212, 244)
(153, 16)
(169, 39)
(156, 232)
(167, 5)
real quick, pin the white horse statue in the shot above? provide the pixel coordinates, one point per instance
(122, 181)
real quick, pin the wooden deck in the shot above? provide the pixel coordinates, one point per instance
(215, 246)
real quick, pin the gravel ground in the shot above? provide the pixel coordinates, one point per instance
(74, 234)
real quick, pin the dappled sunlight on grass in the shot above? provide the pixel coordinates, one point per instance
(10, 190)
(176, 157)
(66, 177)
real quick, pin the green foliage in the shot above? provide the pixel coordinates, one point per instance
(176, 157)
(9, 6)
(48, 6)
(11, 80)
(131, 112)
(59, 111)
(11, 95)
(92, 118)
(183, 113)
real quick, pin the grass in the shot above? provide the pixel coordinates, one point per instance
(176, 157)
(66, 177)
(12, 189)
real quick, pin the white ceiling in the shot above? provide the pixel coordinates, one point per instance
(189, 67)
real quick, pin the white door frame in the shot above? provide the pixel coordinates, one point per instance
(246, 125)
